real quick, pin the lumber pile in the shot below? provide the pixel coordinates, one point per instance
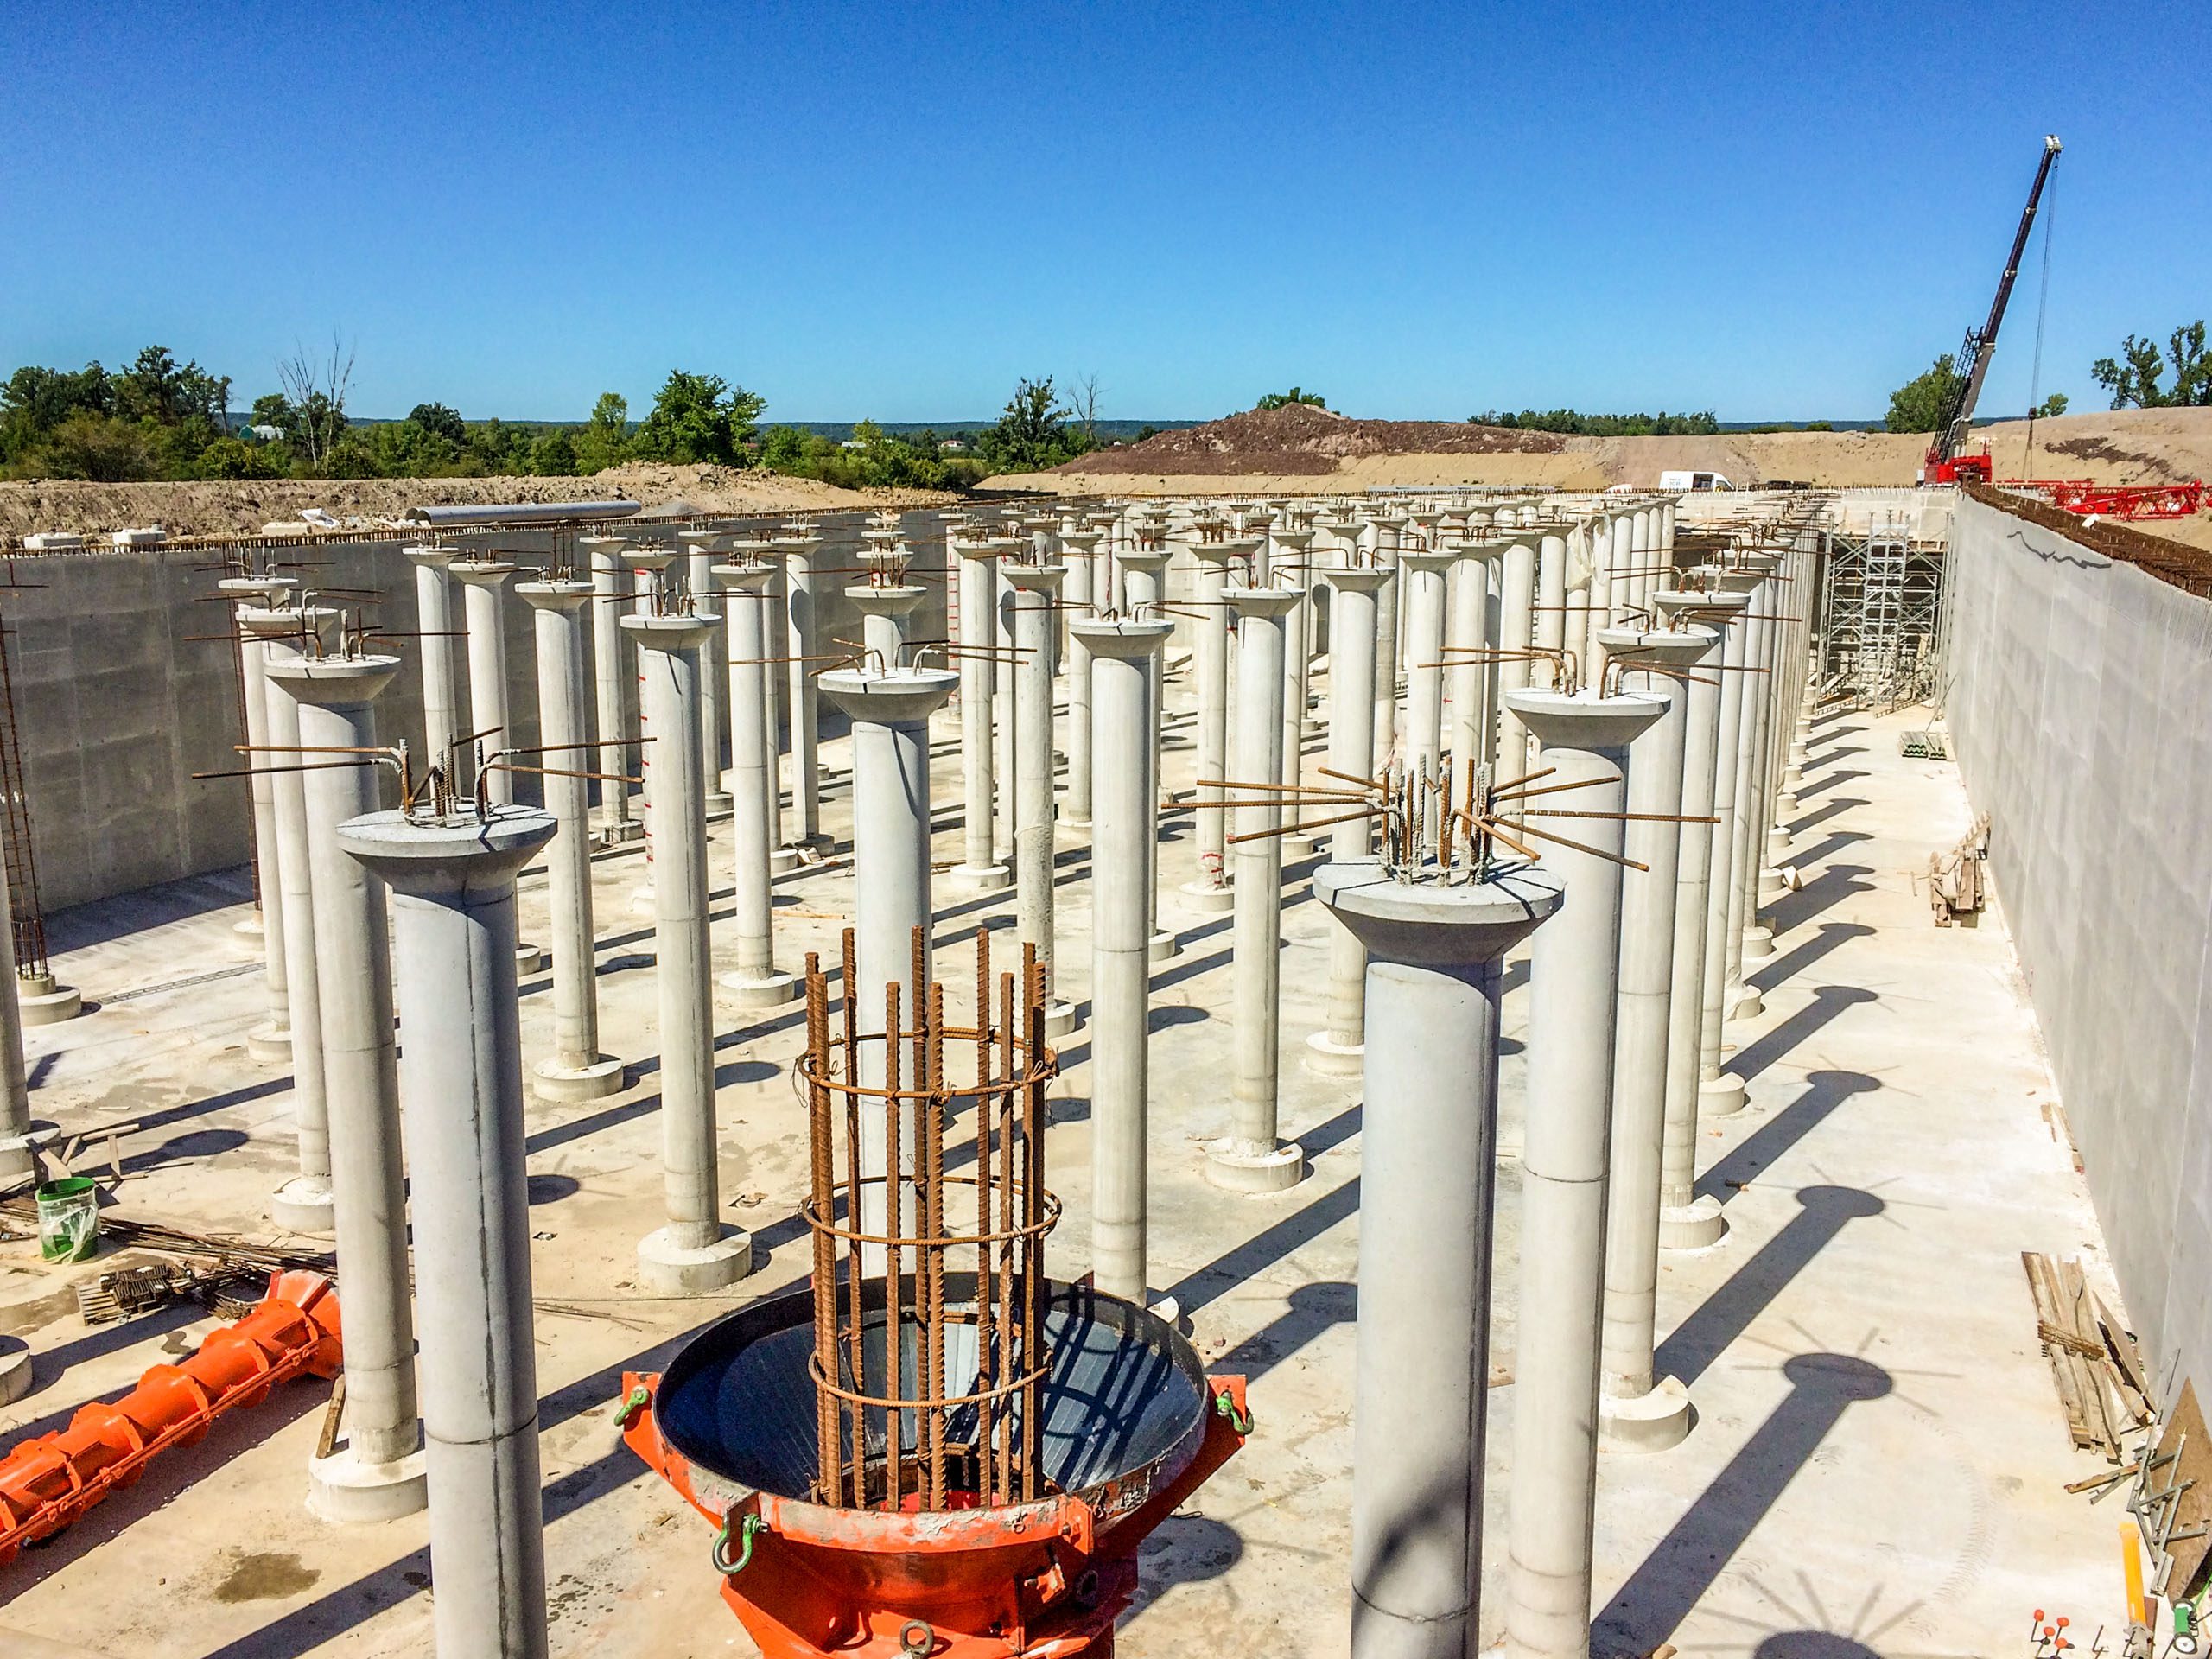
(2092, 1358)
(1956, 879)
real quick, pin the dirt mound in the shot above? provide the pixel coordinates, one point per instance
(1300, 440)
(242, 507)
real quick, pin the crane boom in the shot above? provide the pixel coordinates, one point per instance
(1980, 344)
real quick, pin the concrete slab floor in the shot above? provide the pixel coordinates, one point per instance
(1878, 1454)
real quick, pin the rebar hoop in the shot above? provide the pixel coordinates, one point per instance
(891, 1432)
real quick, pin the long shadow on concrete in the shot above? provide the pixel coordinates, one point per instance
(1830, 781)
(1802, 955)
(1313, 1309)
(1692, 1346)
(1824, 892)
(1835, 805)
(1834, 841)
(1828, 1001)
(1765, 1146)
(48, 1365)
(1651, 1606)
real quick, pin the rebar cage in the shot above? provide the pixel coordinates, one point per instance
(927, 1371)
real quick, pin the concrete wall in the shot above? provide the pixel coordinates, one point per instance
(2079, 686)
(123, 687)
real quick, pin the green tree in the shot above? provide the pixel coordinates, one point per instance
(228, 457)
(441, 419)
(553, 454)
(1033, 433)
(97, 446)
(2134, 381)
(698, 417)
(159, 390)
(604, 440)
(1918, 405)
(1295, 395)
(2053, 405)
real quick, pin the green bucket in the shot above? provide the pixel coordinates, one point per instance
(68, 1219)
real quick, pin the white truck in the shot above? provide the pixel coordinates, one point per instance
(1692, 480)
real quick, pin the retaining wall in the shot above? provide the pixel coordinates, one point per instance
(123, 687)
(2079, 686)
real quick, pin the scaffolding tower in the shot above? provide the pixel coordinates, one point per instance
(1881, 600)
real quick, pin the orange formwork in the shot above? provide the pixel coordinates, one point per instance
(47, 1483)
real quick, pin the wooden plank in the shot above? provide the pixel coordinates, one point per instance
(2043, 1287)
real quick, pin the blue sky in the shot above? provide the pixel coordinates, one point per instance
(1421, 210)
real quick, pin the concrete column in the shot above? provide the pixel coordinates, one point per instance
(1144, 570)
(1036, 589)
(1601, 588)
(1421, 1347)
(434, 617)
(1002, 716)
(1471, 718)
(575, 1070)
(745, 602)
(1719, 1095)
(482, 581)
(1573, 983)
(19, 1134)
(890, 715)
(694, 1253)
(1550, 623)
(616, 686)
(979, 870)
(1124, 656)
(1338, 1049)
(1762, 884)
(1210, 889)
(645, 562)
(700, 548)
(273, 1041)
(1390, 531)
(803, 640)
(1423, 576)
(1622, 557)
(1516, 632)
(1641, 555)
(1631, 1413)
(453, 884)
(1686, 1221)
(1251, 1158)
(1742, 1001)
(1081, 542)
(302, 1204)
(378, 1472)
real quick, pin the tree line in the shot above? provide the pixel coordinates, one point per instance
(2137, 379)
(160, 419)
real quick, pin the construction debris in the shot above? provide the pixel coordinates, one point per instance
(2092, 1359)
(1955, 880)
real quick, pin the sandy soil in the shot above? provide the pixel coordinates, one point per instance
(1309, 449)
(217, 509)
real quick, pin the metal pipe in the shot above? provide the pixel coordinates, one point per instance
(522, 513)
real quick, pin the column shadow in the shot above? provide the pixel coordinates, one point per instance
(1824, 892)
(1692, 1346)
(1828, 1001)
(1803, 955)
(1765, 1146)
(1662, 1592)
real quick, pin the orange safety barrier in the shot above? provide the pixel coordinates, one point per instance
(47, 1483)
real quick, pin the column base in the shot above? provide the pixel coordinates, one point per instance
(270, 1045)
(529, 959)
(48, 1004)
(1160, 1303)
(302, 1205)
(771, 990)
(16, 1150)
(1331, 1058)
(1204, 895)
(1721, 1096)
(979, 877)
(1163, 946)
(1255, 1172)
(667, 1269)
(1758, 945)
(560, 1084)
(720, 805)
(250, 927)
(1649, 1423)
(782, 860)
(618, 832)
(344, 1489)
(1059, 1018)
(15, 1370)
(1785, 803)
(1777, 838)
(1070, 820)
(1696, 1225)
